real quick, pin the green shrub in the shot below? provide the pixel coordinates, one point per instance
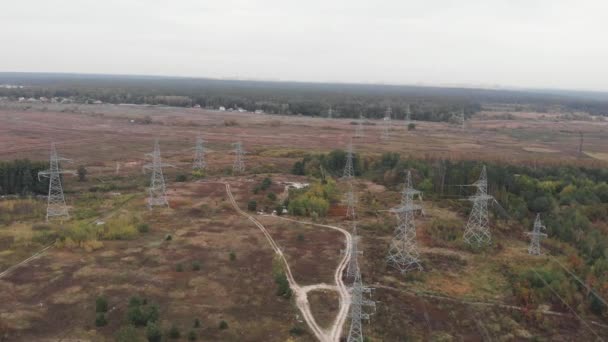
(197, 323)
(283, 288)
(101, 304)
(168, 237)
(143, 227)
(153, 332)
(126, 333)
(174, 332)
(181, 178)
(179, 268)
(266, 183)
(192, 335)
(252, 205)
(196, 266)
(411, 126)
(140, 314)
(100, 319)
(223, 325)
(272, 196)
(120, 228)
(198, 174)
(232, 256)
(135, 301)
(297, 331)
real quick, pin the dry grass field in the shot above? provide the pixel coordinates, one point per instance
(201, 260)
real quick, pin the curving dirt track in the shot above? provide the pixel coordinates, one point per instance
(324, 335)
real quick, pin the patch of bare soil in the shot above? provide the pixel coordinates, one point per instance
(324, 306)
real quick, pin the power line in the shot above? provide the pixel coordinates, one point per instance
(566, 304)
(587, 287)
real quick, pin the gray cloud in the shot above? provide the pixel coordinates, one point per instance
(536, 43)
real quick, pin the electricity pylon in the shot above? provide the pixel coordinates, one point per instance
(349, 171)
(199, 155)
(387, 123)
(239, 160)
(348, 175)
(462, 120)
(359, 131)
(403, 250)
(351, 202)
(478, 227)
(353, 264)
(359, 302)
(408, 115)
(56, 206)
(535, 235)
(156, 192)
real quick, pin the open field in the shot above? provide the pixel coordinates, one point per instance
(200, 259)
(97, 134)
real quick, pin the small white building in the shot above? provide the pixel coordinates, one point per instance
(222, 109)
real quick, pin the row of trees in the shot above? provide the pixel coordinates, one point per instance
(20, 177)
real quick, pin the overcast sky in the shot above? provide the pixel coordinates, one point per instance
(522, 43)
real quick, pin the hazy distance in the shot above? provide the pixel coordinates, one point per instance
(538, 44)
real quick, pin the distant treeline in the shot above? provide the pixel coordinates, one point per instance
(20, 177)
(292, 98)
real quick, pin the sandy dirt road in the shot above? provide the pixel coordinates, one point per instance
(301, 293)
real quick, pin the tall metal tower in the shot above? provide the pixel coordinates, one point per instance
(56, 206)
(349, 171)
(239, 160)
(156, 192)
(535, 235)
(477, 230)
(330, 113)
(353, 264)
(199, 154)
(358, 304)
(351, 202)
(348, 175)
(462, 120)
(387, 123)
(408, 115)
(403, 251)
(359, 131)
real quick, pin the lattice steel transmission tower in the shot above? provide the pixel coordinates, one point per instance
(535, 235)
(239, 160)
(386, 133)
(408, 115)
(478, 227)
(56, 207)
(403, 251)
(199, 154)
(156, 192)
(353, 264)
(462, 120)
(359, 132)
(359, 303)
(349, 171)
(348, 175)
(351, 202)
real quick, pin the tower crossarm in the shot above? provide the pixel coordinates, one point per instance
(536, 234)
(151, 166)
(407, 207)
(47, 173)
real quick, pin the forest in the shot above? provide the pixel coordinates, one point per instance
(20, 177)
(572, 201)
(293, 98)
